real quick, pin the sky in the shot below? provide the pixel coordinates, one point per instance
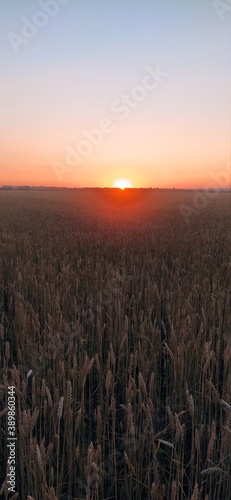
(96, 90)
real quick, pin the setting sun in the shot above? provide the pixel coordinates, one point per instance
(122, 183)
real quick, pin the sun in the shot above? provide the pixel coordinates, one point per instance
(122, 183)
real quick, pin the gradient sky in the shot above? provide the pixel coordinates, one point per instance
(65, 79)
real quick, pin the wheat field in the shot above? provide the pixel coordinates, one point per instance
(115, 322)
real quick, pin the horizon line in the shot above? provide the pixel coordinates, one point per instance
(59, 188)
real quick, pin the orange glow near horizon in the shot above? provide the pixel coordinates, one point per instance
(196, 177)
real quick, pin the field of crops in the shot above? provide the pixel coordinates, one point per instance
(115, 319)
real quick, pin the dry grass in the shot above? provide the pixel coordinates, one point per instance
(115, 331)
